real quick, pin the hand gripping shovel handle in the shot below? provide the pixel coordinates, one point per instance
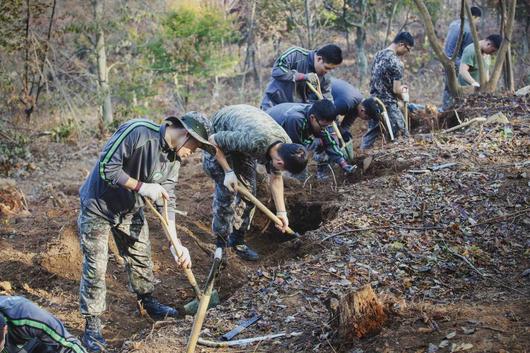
(165, 224)
(248, 195)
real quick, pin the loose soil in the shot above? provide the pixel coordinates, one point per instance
(435, 300)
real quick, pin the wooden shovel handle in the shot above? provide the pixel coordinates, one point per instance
(174, 242)
(335, 127)
(248, 195)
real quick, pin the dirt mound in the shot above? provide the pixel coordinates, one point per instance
(63, 255)
(12, 200)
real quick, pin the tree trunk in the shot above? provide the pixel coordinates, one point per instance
(308, 24)
(452, 82)
(362, 62)
(476, 44)
(491, 85)
(101, 55)
(389, 25)
(508, 66)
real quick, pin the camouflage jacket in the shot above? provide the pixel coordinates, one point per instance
(386, 69)
(283, 88)
(248, 130)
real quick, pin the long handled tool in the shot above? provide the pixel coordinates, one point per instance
(347, 151)
(386, 119)
(203, 303)
(405, 96)
(191, 307)
(248, 195)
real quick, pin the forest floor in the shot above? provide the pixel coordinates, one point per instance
(439, 226)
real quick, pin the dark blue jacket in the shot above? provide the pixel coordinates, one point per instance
(283, 88)
(294, 118)
(26, 321)
(346, 98)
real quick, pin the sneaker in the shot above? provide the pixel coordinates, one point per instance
(155, 309)
(92, 338)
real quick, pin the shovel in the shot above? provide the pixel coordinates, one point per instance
(191, 307)
(248, 195)
(203, 303)
(405, 96)
(386, 119)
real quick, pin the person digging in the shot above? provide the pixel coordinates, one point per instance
(245, 136)
(350, 103)
(308, 124)
(294, 69)
(26, 328)
(386, 84)
(141, 160)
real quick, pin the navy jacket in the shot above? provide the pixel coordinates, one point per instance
(26, 321)
(283, 88)
(294, 118)
(346, 98)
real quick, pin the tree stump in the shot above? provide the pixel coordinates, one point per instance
(360, 314)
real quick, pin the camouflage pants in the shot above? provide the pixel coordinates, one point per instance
(397, 121)
(227, 204)
(132, 239)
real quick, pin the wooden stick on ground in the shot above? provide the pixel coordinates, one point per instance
(464, 124)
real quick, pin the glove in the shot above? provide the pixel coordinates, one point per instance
(282, 215)
(153, 191)
(348, 168)
(475, 84)
(184, 260)
(230, 181)
(312, 78)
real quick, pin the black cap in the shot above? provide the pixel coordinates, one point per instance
(197, 126)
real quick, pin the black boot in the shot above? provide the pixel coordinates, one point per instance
(92, 338)
(242, 250)
(155, 309)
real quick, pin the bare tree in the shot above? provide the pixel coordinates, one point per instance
(448, 63)
(101, 55)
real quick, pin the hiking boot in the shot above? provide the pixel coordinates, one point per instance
(92, 338)
(155, 309)
(244, 252)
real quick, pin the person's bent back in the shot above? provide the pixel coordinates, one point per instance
(26, 327)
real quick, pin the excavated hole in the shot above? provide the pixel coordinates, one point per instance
(304, 216)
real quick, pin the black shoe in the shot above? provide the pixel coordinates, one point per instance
(244, 252)
(155, 309)
(92, 338)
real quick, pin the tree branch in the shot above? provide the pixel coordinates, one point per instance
(461, 34)
(501, 54)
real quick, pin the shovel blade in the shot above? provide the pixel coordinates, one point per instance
(191, 307)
